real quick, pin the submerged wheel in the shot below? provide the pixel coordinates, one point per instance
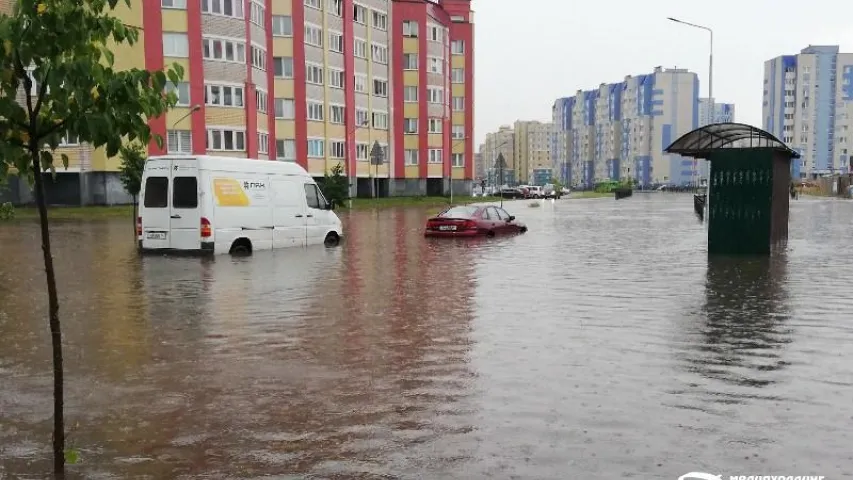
(332, 240)
(241, 247)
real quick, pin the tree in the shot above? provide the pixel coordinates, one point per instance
(56, 55)
(335, 185)
(133, 157)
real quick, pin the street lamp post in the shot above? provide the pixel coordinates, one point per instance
(194, 109)
(710, 68)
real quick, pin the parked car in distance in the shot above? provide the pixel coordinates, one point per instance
(473, 221)
(535, 191)
(509, 192)
(550, 191)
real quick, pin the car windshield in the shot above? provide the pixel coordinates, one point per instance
(459, 212)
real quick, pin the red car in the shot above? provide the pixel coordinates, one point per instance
(473, 221)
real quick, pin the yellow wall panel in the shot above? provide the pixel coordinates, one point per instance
(459, 146)
(435, 140)
(336, 131)
(262, 124)
(458, 89)
(282, 47)
(285, 129)
(316, 166)
(179, 115)
(457, 61)
(458, 118)
(380, 136)
(226, 116)
(283, 89)
(410, 77)
(362, 135)
(174, 20)
(281, 8)
(410, 110)
(412, 171)
(316, 129)
(434, 170)
(458, 173)
(410, 45)
(411, 142)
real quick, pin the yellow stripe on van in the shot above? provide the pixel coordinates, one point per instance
(229, 193)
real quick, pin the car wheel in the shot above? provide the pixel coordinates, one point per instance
(522, 230)
(490, 233)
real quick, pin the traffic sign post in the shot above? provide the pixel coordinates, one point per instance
(500, 164)
(377, 158)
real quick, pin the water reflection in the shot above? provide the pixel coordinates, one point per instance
(740, 343)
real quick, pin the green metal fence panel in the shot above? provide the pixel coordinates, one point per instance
(740, 201)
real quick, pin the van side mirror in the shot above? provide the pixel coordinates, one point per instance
(330, 204)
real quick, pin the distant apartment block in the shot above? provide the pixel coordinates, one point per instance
(619, 130)
(532, 149)
(713, 112)
(496, 143)
(808, 104)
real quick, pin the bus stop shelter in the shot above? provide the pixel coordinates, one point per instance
(748, 186)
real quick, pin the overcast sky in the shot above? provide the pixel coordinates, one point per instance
(530, 53)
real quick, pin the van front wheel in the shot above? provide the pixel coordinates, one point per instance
(241, 247)
(332, 240)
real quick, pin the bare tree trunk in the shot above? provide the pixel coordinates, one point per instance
(55, 328)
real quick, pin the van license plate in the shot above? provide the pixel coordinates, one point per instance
(447, 227)
(156, 236)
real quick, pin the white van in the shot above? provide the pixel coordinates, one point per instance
(219, 205)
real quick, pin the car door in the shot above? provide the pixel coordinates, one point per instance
(508, 226)
(154, 208)
(315, 228)
(185, 212)
(288, 214)
(492, 220)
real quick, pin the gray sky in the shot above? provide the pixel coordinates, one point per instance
(530, 53)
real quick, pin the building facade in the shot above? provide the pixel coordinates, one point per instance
(316, 82)
(620, 130)
(713, 112)
(497, 143)
(808, 104)
(532, 148)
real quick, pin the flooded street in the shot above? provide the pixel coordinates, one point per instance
(602, 344)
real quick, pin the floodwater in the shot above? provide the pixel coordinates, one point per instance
(601, 344)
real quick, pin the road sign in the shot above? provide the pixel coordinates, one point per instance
(500, 163)
(377, 155)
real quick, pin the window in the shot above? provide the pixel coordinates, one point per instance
(263, 143)
(313, 197)
(361, 152)
(435, 65)
(313, 35)
(359, 48)
(336, 42)
(379, 53)
(176, 45)
(174, 4)
(256, 14)
(435, 155)
(313, 74)
(380, 87)
(410, 61)
(182, 90)
(434, 125)
(359, 14)
(337, 114)
(457, 47)
(336, 7)
(156, 192)
(285, 150)
(362, 117)
(315, 111)
(179, 141)
(285, 108)
(410, 94)
(259, 58)
(380, 120)
(69, 141)
(436, 34)
(223, 96)
(314, 4)
(316, 148)
(410, 125)
(337, 149)
(457, 75)
(228, 8)
(411, 156)
(457, 160)
(410, 28)
(283, 67)
(361, 83)
(262, 100)
(226, 140)
(226, 50)
(435, 95)
(336, 78)
(458, 132)
(458, 104)
(380, 21)
(282, 25)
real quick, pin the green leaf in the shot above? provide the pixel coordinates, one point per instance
(64, 160)
(111, 59)
(72, 456)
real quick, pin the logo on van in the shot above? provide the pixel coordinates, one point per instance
(254, 185)
(228, 193)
